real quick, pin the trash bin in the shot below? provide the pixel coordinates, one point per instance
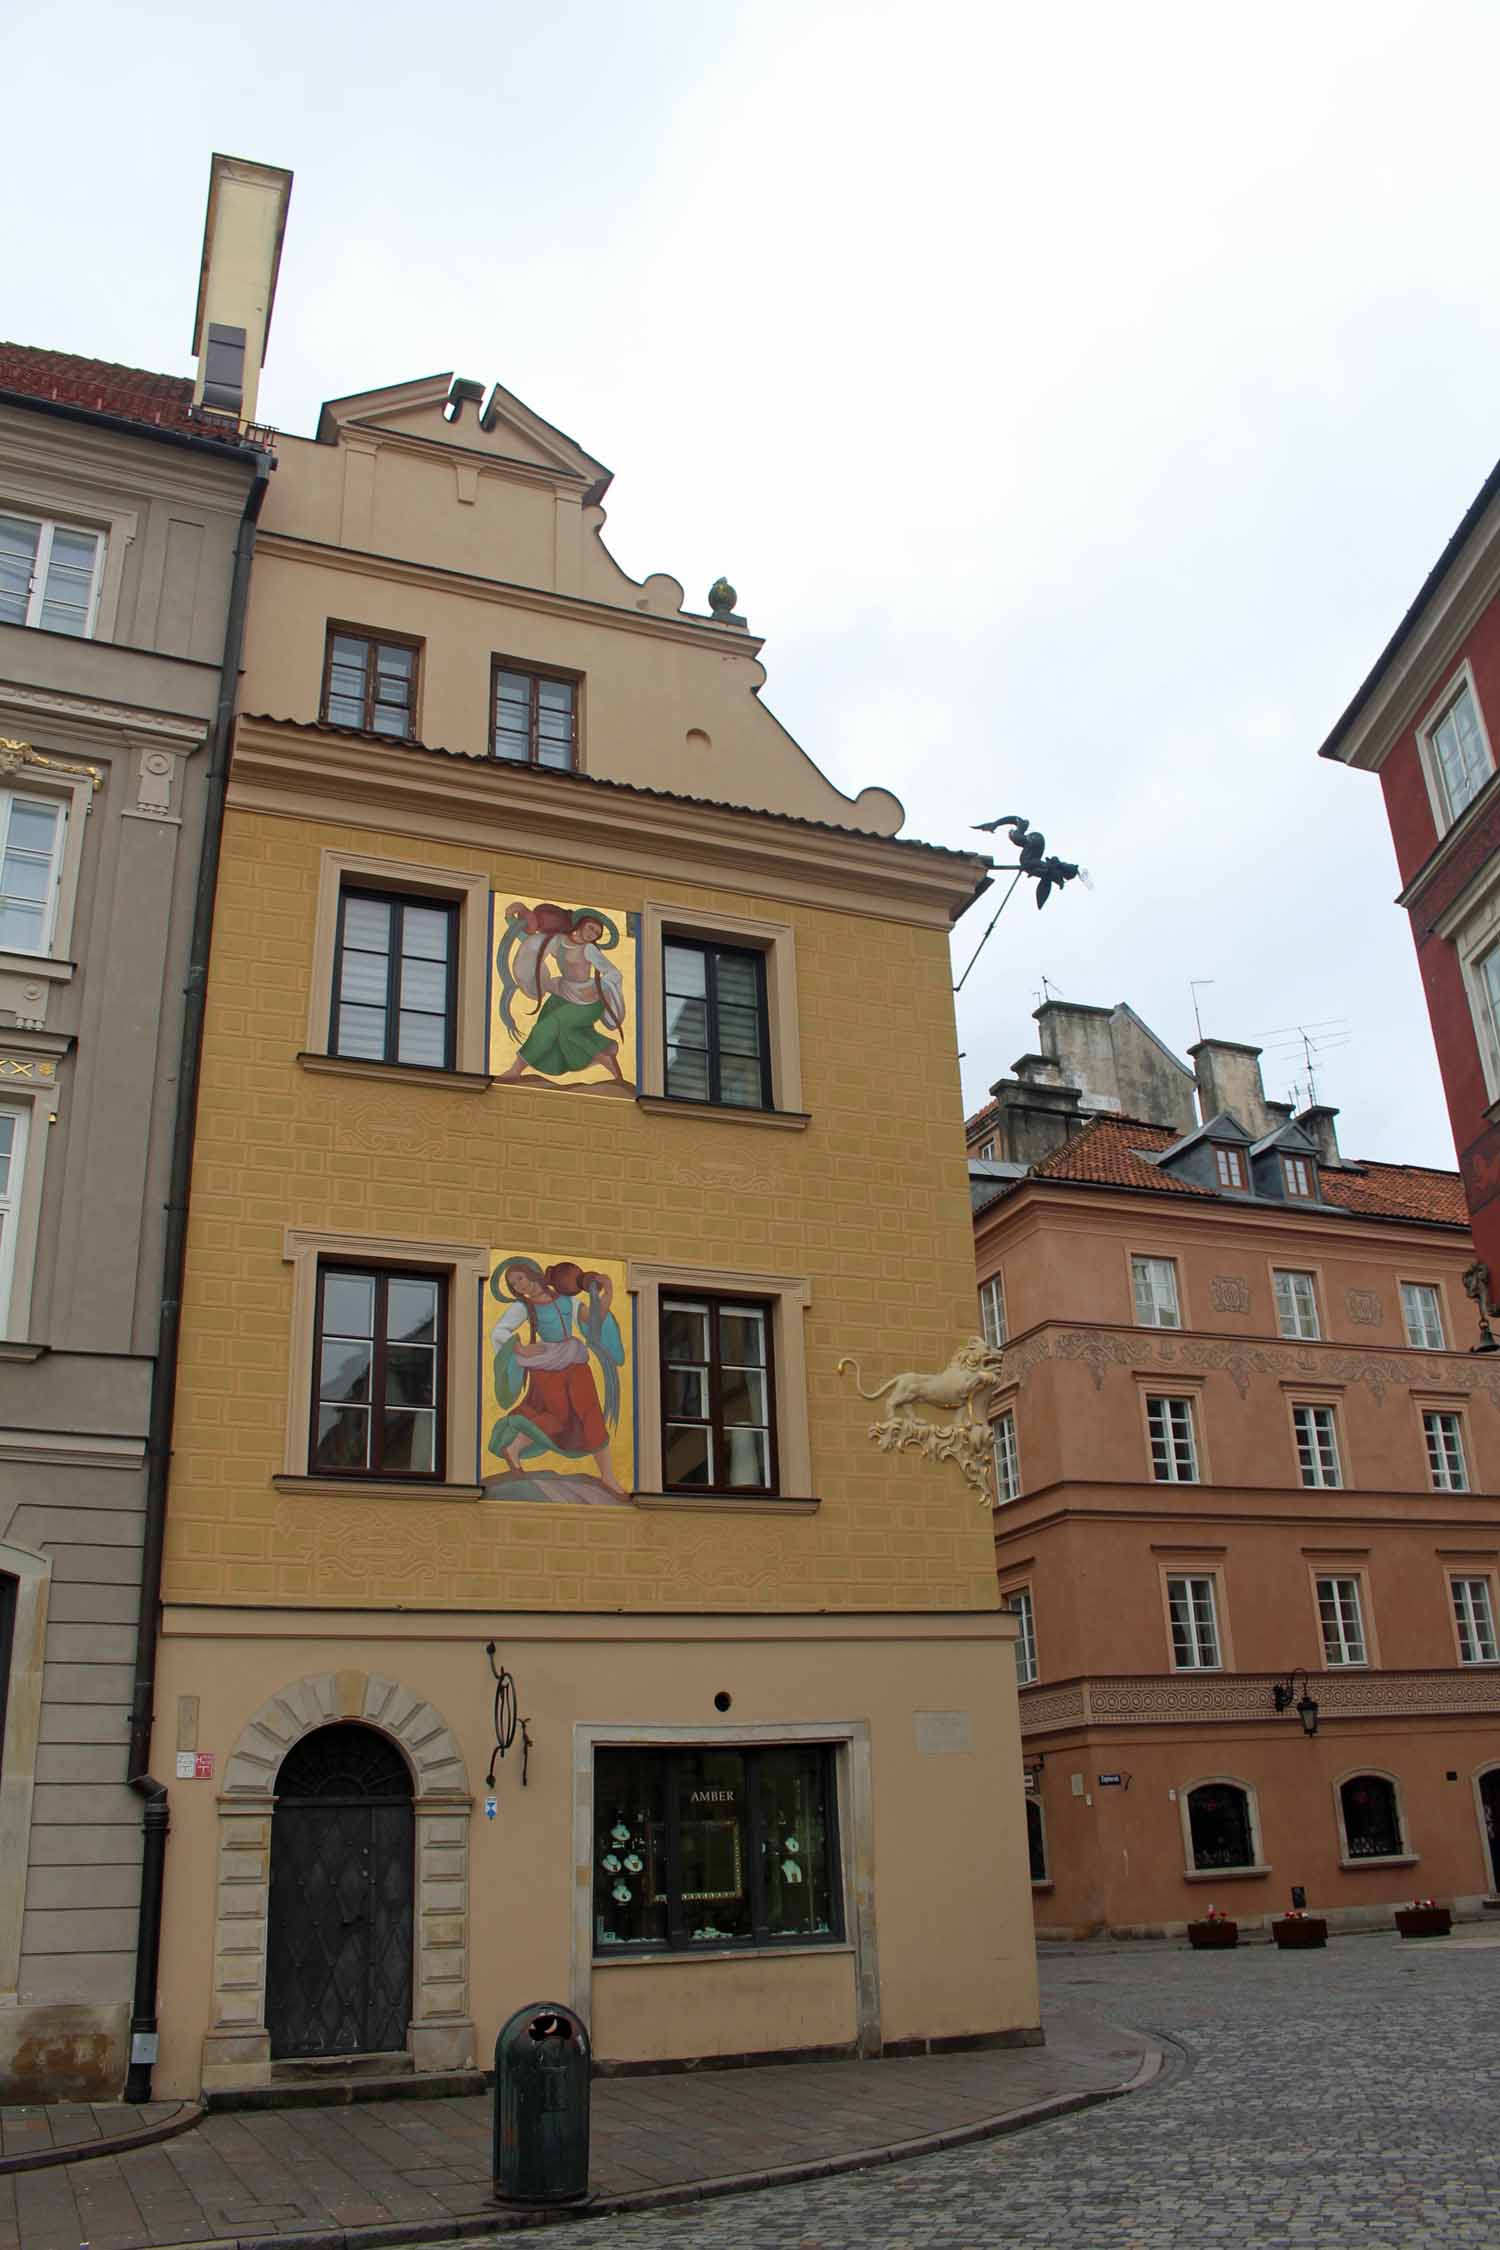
(542, 2107)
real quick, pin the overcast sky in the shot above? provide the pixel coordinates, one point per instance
(1075, 395)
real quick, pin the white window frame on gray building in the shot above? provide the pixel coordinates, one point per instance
(42, 568)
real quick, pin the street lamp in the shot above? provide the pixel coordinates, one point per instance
(1285, 1697)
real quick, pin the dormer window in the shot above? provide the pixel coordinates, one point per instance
(1230, 1168)
(1299, 1178)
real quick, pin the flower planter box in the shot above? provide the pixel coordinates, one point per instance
(1206, 1937)
(1294, 1937)
(1424, 1921)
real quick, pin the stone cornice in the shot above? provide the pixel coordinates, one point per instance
(311, 773)
(396, 570)
(1210, 1698)
(85, 714)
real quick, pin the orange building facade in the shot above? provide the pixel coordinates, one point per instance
(1245, 1459)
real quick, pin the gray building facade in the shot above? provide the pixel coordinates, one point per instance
(123, 508)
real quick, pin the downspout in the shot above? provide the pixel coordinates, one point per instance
(143, 2031)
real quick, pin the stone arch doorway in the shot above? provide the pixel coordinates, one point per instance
(339, 1921)
(440, 2032)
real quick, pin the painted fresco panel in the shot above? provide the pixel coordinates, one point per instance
(558, 1405)
(563, 1007)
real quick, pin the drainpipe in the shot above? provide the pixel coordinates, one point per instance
(156, 1819)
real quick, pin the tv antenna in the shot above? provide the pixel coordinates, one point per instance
(1311, 1042)
(1194, 984)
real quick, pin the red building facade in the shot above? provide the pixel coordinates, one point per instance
(1427, 720)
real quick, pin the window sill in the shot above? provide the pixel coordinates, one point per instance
(399, 1074)
(1393, 1859)
(1043, 1883)
(665, 1956)
(378, 1488)
(37, 965)
(1223, 1874)
(661, 1105)
(709, 1504)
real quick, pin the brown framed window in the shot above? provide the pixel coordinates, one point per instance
(533, 718)
(380, 1374)
(1230, 1169)
(370, 682)
(718, 1399)
(395, 980)
(1299, 1178)
(718, 1039)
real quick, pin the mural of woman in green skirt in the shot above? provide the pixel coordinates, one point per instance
(557, 958)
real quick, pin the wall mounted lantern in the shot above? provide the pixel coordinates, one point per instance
(1285, 1697)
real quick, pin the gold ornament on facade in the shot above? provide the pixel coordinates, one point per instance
(975, 1366)
(14, 755)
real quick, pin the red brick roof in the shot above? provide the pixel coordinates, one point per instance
(133, 393)
(1103, 1155)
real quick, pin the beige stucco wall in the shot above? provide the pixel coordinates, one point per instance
(938, 1941)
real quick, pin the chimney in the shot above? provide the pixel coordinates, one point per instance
(1229, 1078)
(1038, 1110)
(1317, 1122)
(242, 235)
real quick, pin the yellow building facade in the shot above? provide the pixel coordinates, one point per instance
(579, 1087)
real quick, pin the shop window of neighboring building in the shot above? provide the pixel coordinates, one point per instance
(1230, 1167)
(1155, 1283)
(1007, 1457)
(1317, 1445)
(379, 1376)
(370, 682)
(1474, 1615)
(717, 1405)
(1193, 1611)
(32, 834)
(395, 980)
(49, 575)
(1220, 1829)
(1422, 1316)
(1299, 1178)
(704, 1847)
(1458, 754)
(1341, 1620)
(1174, 1444)
(1445, 1451)
(1020, 1606)
(718, 1041)
(1296, 1306)
(534, 718)
(992, 1310)
(1372, 1818)
(1036, 1842)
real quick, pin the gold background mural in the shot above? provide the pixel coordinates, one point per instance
(563, 996)
(557, 1406)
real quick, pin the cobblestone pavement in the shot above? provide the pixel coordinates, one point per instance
(1342, 2100)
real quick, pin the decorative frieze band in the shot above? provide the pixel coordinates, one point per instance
(1377, 1372)
(1220, 1696)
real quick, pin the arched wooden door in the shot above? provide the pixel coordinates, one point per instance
(1489, 1798)
(338, 1949)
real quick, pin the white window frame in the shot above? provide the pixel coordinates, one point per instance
(1201, 1638)
(1146, 1274)
(1419, 1342)
(1341, 1619)
(986, 1152)
(1172, 1425)
(44, 801)
(992, 1310)
(1462, 682)
(1474, 1620)
(1294, 1307)
(1315, 1429)
(1443, 1443)
(1007, 1456)
(47, 528)
(1018, 1600)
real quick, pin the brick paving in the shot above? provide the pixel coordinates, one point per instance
(29, 2130)
(1341, 2100)
(257, 2175)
